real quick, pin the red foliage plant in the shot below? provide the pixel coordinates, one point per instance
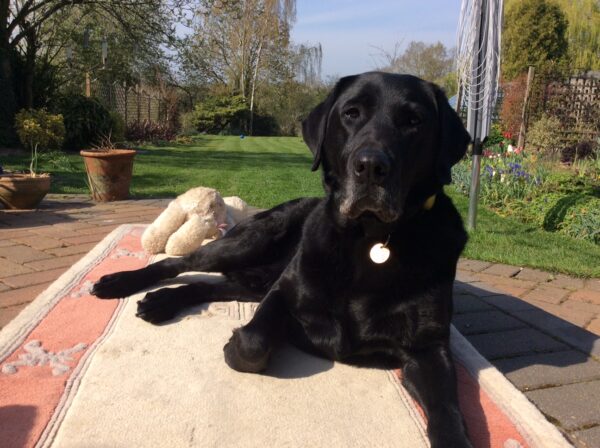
(512, 104)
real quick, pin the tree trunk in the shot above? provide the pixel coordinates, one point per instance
(254, 76)
(29, 75)
(8, 100)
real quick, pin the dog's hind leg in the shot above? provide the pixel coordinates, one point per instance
(164, 304)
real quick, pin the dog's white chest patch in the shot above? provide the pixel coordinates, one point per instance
(379, 253)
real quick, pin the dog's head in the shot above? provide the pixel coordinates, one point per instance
(386, 142)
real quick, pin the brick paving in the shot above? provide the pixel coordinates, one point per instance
(540, 329)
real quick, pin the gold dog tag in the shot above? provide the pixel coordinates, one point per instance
(379, 253)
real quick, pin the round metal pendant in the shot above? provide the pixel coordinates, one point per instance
(379, 253)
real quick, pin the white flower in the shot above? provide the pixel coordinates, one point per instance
(510, 148)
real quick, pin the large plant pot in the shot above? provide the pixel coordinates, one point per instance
(21, 191)
(109, 173)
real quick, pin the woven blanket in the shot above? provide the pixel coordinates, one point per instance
(76, 371)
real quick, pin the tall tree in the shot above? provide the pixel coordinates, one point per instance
(583, 31)
(433, 62)
(237, 42)
(534, 34)
(21, 37)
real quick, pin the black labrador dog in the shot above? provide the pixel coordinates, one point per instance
(362, 276)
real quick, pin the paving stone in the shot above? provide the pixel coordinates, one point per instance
(467, 303)
(13, 233)
(35, 278)
(587, 438)
(71, 250)
(514, 343)
(549, 322)
(586, 295)
(4, 287)
(508, 303)
(486, 322)
(21, 295)
(545, 293)
(566, 282)
(473, 265)
(102, 230)
(82, 239)
(580, 339)
(502, 270)
(549, 369)
(465, 276)
(9, 313)
(54, 263)
(22, 254)
(534, 275)
(40, 242)
(6, 243)
(573, 405)
(592, 283)
(8, 268)
(478, 289)
(594, 326)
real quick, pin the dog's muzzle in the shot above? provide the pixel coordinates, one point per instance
(365, 189)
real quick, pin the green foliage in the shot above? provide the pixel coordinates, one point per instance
(544, 135)
(118, 128)
(37, 129)
(534, 34)
(583, 220)
(86, 121)
(216, 113)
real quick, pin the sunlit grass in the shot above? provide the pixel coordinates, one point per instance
(266, 171)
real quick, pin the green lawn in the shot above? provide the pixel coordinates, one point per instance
(268, 170)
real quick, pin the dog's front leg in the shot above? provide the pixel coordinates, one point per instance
(249, 348)
(430, 376)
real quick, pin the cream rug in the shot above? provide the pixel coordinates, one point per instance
(77, 371)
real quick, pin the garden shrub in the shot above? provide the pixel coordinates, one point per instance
(150, 131)
(512, 103)
(118, 128)
(581, 150)
(217, 113)
(583, 220)
(544, 135)
(86, 121)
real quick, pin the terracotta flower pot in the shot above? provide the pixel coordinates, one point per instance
(109, 173)
(21, 191)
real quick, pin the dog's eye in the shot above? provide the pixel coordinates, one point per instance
(352, 113)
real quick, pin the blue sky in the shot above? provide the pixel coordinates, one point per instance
(349, 29)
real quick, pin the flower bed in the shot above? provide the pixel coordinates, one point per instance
(555, 197)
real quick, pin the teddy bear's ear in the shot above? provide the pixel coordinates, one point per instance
(314, 127)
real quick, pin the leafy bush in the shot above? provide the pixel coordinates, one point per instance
(581, 150)
(188, 124)
(583, 220)
(118, 128)
(544, 135)
(38, 129)
(86, 121)
(217, 113)
(150, 131)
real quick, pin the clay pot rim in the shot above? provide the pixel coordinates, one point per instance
(8, 175)
(100, 153)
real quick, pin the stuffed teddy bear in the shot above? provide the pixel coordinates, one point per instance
(194, 216)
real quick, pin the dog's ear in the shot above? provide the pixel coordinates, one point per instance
(453, 137)
(314, 126)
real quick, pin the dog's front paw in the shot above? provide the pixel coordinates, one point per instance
(157, 306)
(117, 285)
(247, 351)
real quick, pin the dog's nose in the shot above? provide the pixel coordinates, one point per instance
(371, 166)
